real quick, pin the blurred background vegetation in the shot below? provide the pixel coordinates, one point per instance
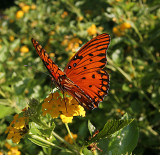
(62, 26)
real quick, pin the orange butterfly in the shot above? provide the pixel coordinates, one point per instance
(83, 77)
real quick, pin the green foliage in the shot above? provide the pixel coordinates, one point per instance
(133, 65)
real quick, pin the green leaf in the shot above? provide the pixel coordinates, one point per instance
(109, 128)
(91, 127)
(39, 143)
(122, 141)
(5, 111)
(34, 128)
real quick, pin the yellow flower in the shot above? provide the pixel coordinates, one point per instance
(72, 44)
(116, 31)
(69, 139)
(21, 4)
(24, 49)
(52, 33)
(64, 14)
(17, 128)
(100, 28)
(7, 145)
(33, 6)
(114, 19)
(19, 14)
(14, 151)
(25, 8)
(125, 26)
(66, 107)
(92, 30)
(80, 18)
(52, 54)
(11, 38)
(34, 24)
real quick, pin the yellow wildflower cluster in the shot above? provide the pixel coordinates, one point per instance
(24, 9)
(92, 30)
(18, 128)
(69, 139)
(72, 44)
(119, 30)
(24, 49)
(66, 107)
(12, 150)
(64, 14)
(80, 18)
(11, 38)
(19, 14)
(120, 111)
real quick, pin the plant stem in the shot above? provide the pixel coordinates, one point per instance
(119, 69)
(67, 127)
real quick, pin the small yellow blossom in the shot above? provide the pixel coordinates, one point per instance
(80, 18)
(25, 8)
(24, 49)
(7, 145)
(21, 4)
(66, 119)
(101, 28)
(72, 44)
(64, 42)
(92, 30)
(120, 29)
(64, 14)
(19, 14)
(66, 107)
(57, 27)
(114, 19)
(14, 151)
(52, 33)
(33, 6)
(116, 31)
(120, 111)
(52, 54)
(69, 139)
(34, 24)
(17, 128)
(59, 58)
(11, 38)
(125, 26)
(0, 46)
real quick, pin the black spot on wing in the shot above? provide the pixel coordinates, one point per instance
(90, 54)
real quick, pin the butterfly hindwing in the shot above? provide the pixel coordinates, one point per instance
(94, 84)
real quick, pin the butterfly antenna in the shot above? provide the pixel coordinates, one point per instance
(65, 102)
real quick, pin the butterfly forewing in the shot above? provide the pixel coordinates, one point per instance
(53, 69)
(91, 57)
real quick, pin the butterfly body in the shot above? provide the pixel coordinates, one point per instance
(83, 77)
